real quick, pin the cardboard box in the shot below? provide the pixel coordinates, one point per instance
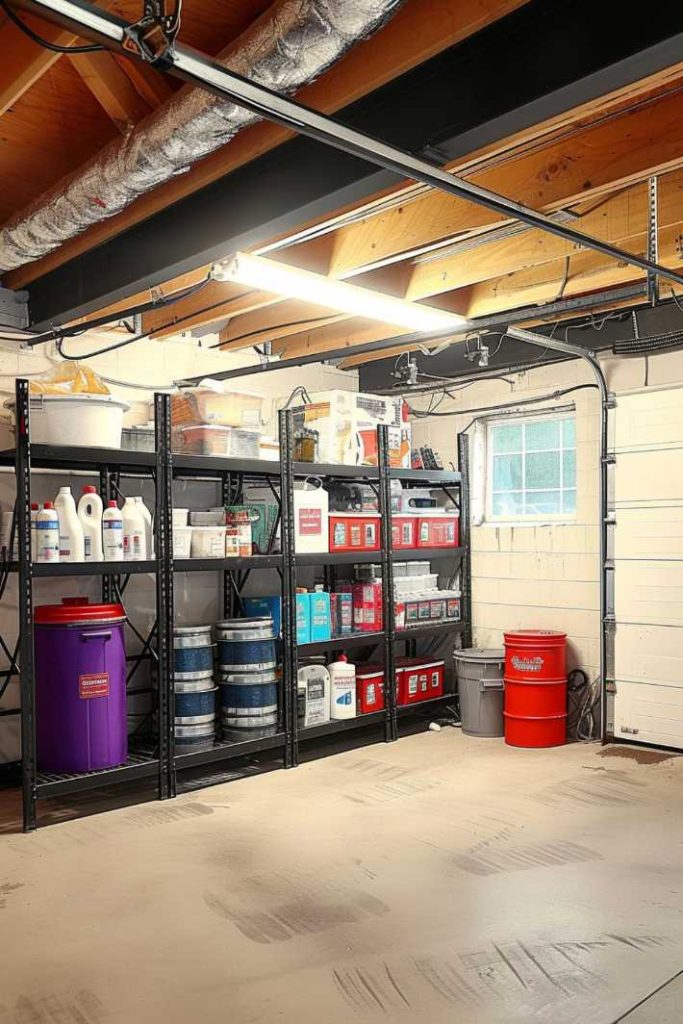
(347, 423)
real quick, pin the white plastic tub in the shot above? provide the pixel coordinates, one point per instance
(180, 517)
(208, 542)
(182, 541)
(93, 421)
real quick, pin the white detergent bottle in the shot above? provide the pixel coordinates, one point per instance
(47, 534)
(342, 688)
(71, 542)
(149, 533)
(134, 540)
(112, 533)
(34, 531)
(90, 515)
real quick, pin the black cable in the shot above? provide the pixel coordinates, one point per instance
(60, 333)
(45, 43)
(510, 405)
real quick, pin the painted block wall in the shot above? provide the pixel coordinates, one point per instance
(547, 576)
(198, 596)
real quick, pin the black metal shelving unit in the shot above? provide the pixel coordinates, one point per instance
(157, 757)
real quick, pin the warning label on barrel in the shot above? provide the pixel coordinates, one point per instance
(527, 664)
(94, 686)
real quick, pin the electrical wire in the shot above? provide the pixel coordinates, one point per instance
(420, 414)
(40, 40)
(264, 330)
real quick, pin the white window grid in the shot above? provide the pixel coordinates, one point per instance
(527, 517)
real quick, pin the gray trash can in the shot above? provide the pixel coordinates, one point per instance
(480, 685)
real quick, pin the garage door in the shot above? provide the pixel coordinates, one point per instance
(648, 704)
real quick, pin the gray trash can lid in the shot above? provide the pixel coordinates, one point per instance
(495, 654)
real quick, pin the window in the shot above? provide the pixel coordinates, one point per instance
(531, 468)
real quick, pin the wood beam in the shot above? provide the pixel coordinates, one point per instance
(152, 86)
(23, 61)
(418, 31)
(597, 160)
(587, 272)
(616, 219)
(288, 317)
(111, 87)
(223, 300)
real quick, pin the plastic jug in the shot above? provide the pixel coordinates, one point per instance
(71, 541)
(112, 533)
(311, 509)
(34, 528)
(134, 533)
(148, 532)
(90, 516)
(342, 688)
(47, 534)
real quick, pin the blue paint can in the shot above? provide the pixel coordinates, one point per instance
(246, 645)
(249, 701)
(192, 652)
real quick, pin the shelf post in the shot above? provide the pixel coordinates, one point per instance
(164, 593)
(288, 616)
(388, 605)
(466, 563)
(27, 680)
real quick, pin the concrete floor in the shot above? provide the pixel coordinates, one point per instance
(439, 879)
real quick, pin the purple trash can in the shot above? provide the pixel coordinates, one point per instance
(80, 658)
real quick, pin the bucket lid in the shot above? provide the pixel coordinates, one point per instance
(74, 610)
(189, 630)
(530, 635)
(495, 654)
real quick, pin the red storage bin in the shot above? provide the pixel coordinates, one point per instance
(437, 530)
(369, 688)
(367, 606)
(420, 680)
(403, 532)
(354, 531)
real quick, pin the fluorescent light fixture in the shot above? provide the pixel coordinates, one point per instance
(271, 276)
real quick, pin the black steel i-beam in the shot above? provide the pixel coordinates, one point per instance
(200, 70)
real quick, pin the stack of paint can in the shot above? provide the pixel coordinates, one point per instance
(195, 693)
(247, 661)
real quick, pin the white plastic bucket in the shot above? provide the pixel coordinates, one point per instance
(180, 517)
(93, 421)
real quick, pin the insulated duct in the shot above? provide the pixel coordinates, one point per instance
(293, 43)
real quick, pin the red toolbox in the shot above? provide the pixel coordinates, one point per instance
(437, 530)
(420, 680)
(354, 531)
(403, 532)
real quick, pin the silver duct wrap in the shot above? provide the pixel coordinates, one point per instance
(289, 46)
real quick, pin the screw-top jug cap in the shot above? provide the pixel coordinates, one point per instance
(89, 489)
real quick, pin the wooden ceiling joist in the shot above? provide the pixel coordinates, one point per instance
(594, 162)
(113, 89)
(23, 61)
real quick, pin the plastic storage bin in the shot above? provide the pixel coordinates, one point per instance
(209, 439)
(80, 686)
(91, 421)
(438, 530)
(354, 531)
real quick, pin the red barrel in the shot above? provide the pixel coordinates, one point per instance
(535, 688)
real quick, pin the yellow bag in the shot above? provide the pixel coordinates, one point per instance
(70, 378)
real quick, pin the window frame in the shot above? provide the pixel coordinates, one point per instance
(533, 518)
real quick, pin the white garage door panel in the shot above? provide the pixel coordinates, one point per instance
(649, 592)
(649, 654)
(649, 532)
(649, 714)
(648, 477)
(653, 419)
(648, 579)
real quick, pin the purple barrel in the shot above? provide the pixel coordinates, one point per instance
(80, 659)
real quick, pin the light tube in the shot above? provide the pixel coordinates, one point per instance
(271, 276)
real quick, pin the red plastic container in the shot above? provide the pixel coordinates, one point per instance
(535, 688)
(403, 532)
(354, 531)
(420, 680)
(369, 688)
(367, 606)
(437, 530)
